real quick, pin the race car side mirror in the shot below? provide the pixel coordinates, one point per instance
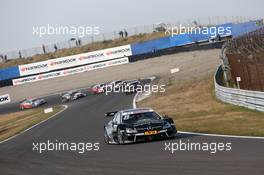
(165, 116)
(110, 114)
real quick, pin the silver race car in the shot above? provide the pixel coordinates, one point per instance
(72, 95)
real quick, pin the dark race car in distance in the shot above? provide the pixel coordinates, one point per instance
(133, 125)
(115, 84)
(72, 95)
(132, 86)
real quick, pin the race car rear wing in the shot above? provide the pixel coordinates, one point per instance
(110, 114)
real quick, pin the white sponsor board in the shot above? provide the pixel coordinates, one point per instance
(175, 70)
(75, 60)
(5, 99)
(70, 71)
(48, 110)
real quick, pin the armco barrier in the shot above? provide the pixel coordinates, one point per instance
(249, 99)
(70, 71)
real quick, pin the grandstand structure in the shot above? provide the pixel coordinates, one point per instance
(244, 60)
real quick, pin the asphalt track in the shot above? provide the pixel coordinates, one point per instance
(14, 107)
(83, 122)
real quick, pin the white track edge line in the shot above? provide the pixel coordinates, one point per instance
(220, 135)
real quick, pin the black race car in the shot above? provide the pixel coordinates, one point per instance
(72, 95)
(132, 86)
(135, 125)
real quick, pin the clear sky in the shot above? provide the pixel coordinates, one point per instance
(17, 17)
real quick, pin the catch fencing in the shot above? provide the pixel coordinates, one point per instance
(107, 36)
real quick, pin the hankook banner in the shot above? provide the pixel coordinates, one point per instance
(69, 71)
(75, 60)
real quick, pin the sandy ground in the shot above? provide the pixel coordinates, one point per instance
(193, 106)
(191, 64)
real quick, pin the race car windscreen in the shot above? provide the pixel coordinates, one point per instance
(133, 118)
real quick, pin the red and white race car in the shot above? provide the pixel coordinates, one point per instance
(101, 88)
(98, 89)
(31, 103)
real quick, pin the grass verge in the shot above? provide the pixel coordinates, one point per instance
(14, 123)
(194, 108)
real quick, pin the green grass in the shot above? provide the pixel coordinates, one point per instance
(195, 108)
(14, 123)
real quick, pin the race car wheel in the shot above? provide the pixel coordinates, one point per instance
(106, 138)
(120, 137)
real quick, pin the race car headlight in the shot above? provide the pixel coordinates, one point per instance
(131, 131)
(166, 125)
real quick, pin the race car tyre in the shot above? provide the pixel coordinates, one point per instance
(106, 138)
(120, 137)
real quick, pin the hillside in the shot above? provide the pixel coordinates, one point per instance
(85, 48)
